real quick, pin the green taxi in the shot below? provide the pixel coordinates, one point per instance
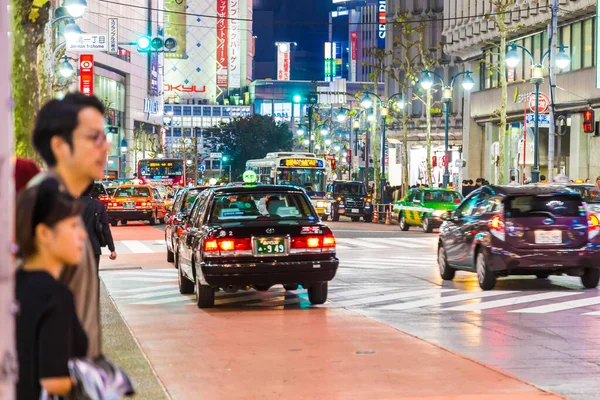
(425, 207)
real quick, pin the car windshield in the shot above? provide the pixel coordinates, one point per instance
(132, 192)
(349, 188)
(544, 206)
(189, 198)
(440, 196)
(590, 194)
(261, 206)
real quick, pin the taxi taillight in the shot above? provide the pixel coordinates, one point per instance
(227, 245)
(314, 243)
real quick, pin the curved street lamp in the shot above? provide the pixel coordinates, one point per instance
(467, 84)
(562, 61)
(75, 8)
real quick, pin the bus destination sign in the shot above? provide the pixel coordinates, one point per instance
(160, 164)
(302, 162)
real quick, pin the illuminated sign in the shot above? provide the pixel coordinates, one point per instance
(86, 74)
(160, 164)
(184, 89)
(302, 162)
(382, 23)
(222, 42)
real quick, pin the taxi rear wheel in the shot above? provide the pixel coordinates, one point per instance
(317, 292)
(123, 222)
(325, 217)
(590, 278)
(262, 288)
(170, 256)
(185, 285)
(402, 223)
(114, 222)
(205, 296)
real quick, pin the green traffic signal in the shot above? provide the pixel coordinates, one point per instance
(143, 43)
(225, 158)
(297, 98)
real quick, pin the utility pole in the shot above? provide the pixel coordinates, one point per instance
(8, 354)
(552, 33)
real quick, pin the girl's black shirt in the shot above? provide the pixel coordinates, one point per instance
(48, 331)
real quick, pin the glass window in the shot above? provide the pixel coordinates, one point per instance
(187, 132)
(554, 205)
(132, 191)
(588, 43)
(217, 111)
(565, 39)
(349, 188)
(168, 109)
(261, 206)
(576, 46)
(197, 209)
(226, 111)
(468, 206)
(525, 57)
(493, 60)
(177, 110)
(537, 45)
(441, 196)
(206, 111)
(188, 200)
(197, 111)
(177, 132)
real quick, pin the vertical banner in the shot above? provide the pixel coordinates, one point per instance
(597, 44)
(113, 35)
(354, 52)
(235, 64)
(154, 74)
(86, 74)
(176, 26)
(283, 61)
(382, 27)
(222, 41)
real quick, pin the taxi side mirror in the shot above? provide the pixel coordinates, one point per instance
(416, 201)
(447, 216)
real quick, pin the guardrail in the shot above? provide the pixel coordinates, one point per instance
(383, 213)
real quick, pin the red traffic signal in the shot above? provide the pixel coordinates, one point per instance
(444, 161)
(333, 164)
(588, 121)
(348, 156)
(434, 161)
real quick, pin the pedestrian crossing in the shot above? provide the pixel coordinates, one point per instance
(426, 243)
(158, 287)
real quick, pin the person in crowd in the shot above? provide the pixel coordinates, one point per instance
(97, 225)
(478, 183)
(543, 179)
(389, 193)
(598, 181)
(25, 170)
(588, 180)
(513, 181)
(69, 136)
(136, 180)
(49, 333)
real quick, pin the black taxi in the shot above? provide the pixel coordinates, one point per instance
(244, 236)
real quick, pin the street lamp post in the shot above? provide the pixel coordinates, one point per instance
(537, 77)
(123, 156)
(367, 103)
(467, 84)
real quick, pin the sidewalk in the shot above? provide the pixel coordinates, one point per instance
(306, 354)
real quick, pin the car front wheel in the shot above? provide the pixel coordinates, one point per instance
(427, 227)
(446, 271)
(114, 222)
(485, 276)
(590, 278)
(402, 223)
(317, 293)
(325, 218)
(170, 256)
(205, 296)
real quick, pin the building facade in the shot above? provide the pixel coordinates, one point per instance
(469, 34)
(127, 81)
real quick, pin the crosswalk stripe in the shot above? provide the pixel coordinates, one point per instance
(168, 300)
(172, 274)
(401, 242)
(356, 292)
(565, 305)
(420, 242)
(277, 302)
(443, 300)
(156, 293)
(145, 289)
(137, 247)
(149, 279)
(361, 243)
(388, 297)
(592, 313)
(512, 301)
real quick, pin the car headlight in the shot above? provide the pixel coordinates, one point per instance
(438, 213)
(320, 204)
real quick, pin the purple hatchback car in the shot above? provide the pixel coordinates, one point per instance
(536, 230)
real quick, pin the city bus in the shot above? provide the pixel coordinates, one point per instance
(299, 169)
(162, 171)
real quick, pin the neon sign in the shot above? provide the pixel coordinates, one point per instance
(382, 22)
(301, 162)
(184, 89)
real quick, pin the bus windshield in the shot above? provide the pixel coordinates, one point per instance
(311, 179)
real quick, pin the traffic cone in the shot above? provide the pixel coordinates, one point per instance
(376, 214)
(387, 215)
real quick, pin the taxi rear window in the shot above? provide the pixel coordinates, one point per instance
(440, 196)
(132, 192)
(261, 206)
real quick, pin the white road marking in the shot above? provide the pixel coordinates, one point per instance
(361, 243)
(146, 289)
(156, 293)
(512, 301)
(137, 247)
(565, 305)
(168, 300)
(388, 297)
(443, 300)
(149, 279)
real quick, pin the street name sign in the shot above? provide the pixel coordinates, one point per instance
(543, 120)
(88, 42)
(216, 155)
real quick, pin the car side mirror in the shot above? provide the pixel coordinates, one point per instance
(447, 216)
(416, 201)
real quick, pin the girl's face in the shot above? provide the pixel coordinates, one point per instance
(67, 241)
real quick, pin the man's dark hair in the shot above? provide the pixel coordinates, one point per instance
(513, 178)
(60, 118)
(470, 181)
(542, 177)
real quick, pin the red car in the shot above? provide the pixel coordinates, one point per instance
(536, 230)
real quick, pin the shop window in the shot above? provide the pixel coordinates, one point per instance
(576, 46)
(565, 39)
(187, 132)
(588, 43)
(176, 110)
(197, 111)
(226, 111)
(206, 111)
(168, 109)
(187, 110)
(176, 132)
(217, 111)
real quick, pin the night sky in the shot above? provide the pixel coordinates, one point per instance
(307, 57)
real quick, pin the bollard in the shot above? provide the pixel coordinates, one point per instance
(387, 215)
(376, 214)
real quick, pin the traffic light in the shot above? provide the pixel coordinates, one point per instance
(588, 121)
(147, 44)
(444, 161)
(434, 161)
(225, 158)
(333, 164)
(297, 98)
(310, 98)
(348, 156)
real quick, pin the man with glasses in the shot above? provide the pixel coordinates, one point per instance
(69, 136)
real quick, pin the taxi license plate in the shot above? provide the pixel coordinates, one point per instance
(270, 246)
(548, 237)
(129, 205)
(355, 210)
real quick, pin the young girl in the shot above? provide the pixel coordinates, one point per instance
(50, 236)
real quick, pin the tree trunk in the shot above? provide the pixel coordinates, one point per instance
(26, 37)
(405, 163)
(428, 135)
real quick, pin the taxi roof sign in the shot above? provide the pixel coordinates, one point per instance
(249, 177)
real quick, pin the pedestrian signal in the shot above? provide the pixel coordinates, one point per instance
(434, 161)
(588, 121)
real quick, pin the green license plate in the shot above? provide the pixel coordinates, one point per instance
(268, 246)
